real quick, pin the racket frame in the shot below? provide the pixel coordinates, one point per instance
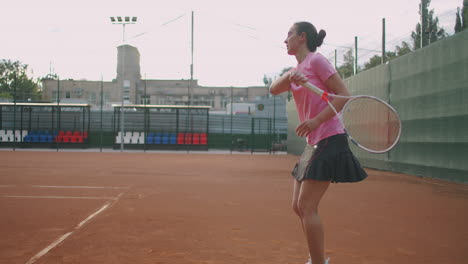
(325, 96)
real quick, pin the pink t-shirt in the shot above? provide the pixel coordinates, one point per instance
(317, 69)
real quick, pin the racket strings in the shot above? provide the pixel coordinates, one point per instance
(371, 123)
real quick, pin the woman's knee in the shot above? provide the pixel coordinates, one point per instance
(306, 208)
(295, 208)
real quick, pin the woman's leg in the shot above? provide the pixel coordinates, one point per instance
(311, 192)
(295, 199)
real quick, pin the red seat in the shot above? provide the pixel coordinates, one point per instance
(85, 135)
(59, 138)
(66, 139)
(61, 133)
(196, 139)
(77, 133)
(73, 139)
(188, 138)
(203, 139)
(79, 139)
(180, 139)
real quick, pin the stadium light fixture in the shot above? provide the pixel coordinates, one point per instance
(126, 20)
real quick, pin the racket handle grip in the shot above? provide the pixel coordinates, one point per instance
(313, 88)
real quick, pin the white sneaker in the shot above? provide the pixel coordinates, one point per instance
(310, 261)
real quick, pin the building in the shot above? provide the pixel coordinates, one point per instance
(136, 90)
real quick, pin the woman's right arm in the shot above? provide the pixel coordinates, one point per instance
(280, 85)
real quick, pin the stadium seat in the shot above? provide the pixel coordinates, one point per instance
(165, 138)
(135, 138)
(59, 138)
(188, 138)
(85, 135)
(149, 140)
(66, 139)
(196, 139)
(173, 138)
(43, 138)
(35, 138)
(157, 139)
(203, 139)
(180, 138)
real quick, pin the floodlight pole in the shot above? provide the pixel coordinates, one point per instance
(119, 21)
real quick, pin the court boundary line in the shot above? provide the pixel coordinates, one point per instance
(75, 229)
(78, 187)
(59, 197)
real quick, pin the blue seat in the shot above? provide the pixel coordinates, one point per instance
(35, 138)
(43, 138)
(157, 140)
(149, 140)
(173, 138)
(165, 139)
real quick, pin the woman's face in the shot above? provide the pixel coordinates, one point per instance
(293, 41)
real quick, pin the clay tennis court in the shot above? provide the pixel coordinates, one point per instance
(111, 207)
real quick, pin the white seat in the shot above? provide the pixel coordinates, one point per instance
(2, 132)
(142, 139)
(9, 132)
(118, 140)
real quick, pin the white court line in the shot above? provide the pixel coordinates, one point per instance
(62, 238)
(59, 197)
(7, 186)
(47, 249)
(444, 185)
(79, 187)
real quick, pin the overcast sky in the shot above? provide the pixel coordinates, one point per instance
(235, 42)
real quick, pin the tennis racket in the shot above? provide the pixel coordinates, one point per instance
(369, 122)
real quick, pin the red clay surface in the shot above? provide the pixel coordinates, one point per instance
(206, 208)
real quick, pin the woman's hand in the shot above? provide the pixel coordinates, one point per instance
(307, 126)
(297, 77)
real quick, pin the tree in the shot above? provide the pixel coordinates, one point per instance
(347, 69)
(429, 27)
(14, 81)
(458, 21)
(465, 14)
(403, 49)
(462, 17)
(377, 60)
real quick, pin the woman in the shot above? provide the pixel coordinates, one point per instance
(327, 157)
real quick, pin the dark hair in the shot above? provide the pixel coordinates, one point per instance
(314, 39)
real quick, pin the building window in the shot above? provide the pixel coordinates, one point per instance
(79, 91)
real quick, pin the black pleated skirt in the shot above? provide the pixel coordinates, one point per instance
(330, 160)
